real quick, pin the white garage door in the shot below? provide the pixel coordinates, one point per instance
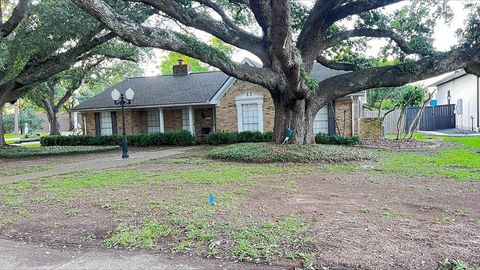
(320, 124)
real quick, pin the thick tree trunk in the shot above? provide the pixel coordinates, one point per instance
(2, 130)
(52, 116)
(71, 122)
(297, 115)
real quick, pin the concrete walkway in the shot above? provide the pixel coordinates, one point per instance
(454, 132)
(27, 256)
(103, 162)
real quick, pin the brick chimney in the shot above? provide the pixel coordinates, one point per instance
(181, 69)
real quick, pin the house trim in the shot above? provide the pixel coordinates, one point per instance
(145, 107)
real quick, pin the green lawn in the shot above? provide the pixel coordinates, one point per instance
(461, 162)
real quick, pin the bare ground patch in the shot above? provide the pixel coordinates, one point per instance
(362, 219)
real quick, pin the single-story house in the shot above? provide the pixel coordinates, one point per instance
(206, 102)
(463, 90)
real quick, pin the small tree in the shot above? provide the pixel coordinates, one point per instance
(56, 93)
(405, 97)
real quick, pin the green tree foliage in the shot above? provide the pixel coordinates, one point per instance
(28, 115)
(195, 65)
(470, 36)
(387, 98)
(172, 58)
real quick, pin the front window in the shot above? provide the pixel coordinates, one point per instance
(320, 124)
(185, 122)
(250, 121)
(106, 123)
(153, 119)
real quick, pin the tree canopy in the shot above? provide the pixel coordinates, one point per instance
(39, 39)
(289, 37)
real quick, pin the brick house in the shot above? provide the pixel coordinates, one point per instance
(206, 102)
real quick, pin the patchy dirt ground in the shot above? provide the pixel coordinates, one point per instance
(363, 219)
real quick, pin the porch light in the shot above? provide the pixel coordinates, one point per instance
(129, 94)
(115, 95)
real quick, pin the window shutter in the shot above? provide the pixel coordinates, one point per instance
(98, 129)
(114, 123)
(331, 118)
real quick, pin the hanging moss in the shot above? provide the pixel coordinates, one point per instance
(409, 66)
(211, 52)
(309, 80)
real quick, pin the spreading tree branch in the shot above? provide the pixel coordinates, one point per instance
(227, 31)
(400, 74)
(337, 65)
(144, 36)
(376, 33)
(37, 72)
(356, 7)
(312, 33)
(18, 14)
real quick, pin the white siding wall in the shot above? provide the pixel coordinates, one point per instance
(461, 88)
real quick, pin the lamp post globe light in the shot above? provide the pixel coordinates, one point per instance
(122, 100)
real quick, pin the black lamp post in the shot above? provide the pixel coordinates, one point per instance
(122, 100)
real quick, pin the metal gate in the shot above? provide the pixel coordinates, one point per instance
(434, 117)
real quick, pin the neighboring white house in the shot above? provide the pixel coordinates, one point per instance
(461, 89)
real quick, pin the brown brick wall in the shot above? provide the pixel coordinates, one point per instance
(135, 121)
(343, 116)
(226, 112)
(203, 119)
(172, 119)
(90, 123)
(371, 129)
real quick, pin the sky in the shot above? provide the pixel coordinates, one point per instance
(444, 38)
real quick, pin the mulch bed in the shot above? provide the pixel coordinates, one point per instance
(402, 144)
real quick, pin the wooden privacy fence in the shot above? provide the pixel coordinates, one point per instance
(390, 122)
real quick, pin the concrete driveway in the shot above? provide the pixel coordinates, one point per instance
(92, 162)
(15, 255)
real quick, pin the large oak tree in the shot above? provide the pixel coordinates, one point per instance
(290, 37)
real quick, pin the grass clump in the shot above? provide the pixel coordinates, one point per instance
(220, 173)
(448, 264)
(143, 235)
(267, 152)
(29, 169)
(263, 240)
(86, 180)
(19, 152)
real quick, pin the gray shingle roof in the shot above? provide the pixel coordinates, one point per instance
(169, 90)
(451, 77)
(162, 90)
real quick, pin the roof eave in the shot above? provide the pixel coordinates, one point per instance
(97, 109)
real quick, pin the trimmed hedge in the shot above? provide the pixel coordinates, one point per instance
(20, 152)
(321, 138)
(269, 152)
(180, 138)
(216, 138)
